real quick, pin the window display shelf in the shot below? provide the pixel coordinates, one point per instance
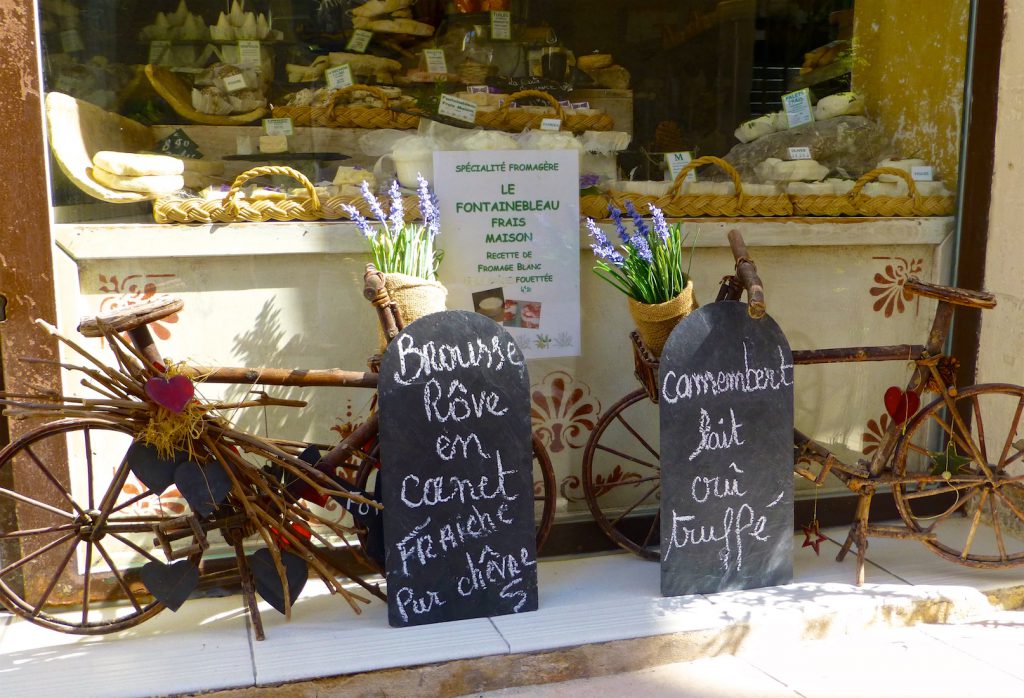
(112, 240)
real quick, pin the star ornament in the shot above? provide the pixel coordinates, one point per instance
(813, 537)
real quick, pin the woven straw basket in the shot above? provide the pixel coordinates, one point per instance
(676, 205)
(855, 204)
(515, 120)
(336, 115)
(234, 208)
(655, 322)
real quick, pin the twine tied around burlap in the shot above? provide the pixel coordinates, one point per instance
(655, 321)
(415, 297)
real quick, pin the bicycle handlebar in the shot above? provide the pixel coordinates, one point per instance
(746, 272)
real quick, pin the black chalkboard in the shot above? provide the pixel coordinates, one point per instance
(726, 411)
(456, 472)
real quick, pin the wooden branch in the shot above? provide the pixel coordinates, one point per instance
(331, 377)
(896, 352)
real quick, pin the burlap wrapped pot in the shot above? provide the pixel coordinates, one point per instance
(415, 297)
(656, 321)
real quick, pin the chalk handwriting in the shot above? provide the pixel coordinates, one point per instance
(683, 386)
(712, 440)
(406, 601)
(415, 362)
(492, 567)
(737, 525)
(448, 446)
(457, 404)
(418, 492)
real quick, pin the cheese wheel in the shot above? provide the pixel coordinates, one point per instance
(842, 104)
(755, 128)
(142, 184)
(137, 164)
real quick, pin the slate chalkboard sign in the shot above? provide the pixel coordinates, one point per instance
(456, 472)
(726, 412)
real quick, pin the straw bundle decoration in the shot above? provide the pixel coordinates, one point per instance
(516, 120)
(856, 204)
(335, 115)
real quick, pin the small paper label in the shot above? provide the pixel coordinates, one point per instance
(800, 153)
(457, 108)
(501, 25)
(278, 127)
(922, 173)
(159, 52)
(234, 83)
(339, 77)
(71, 41)
(249, 53)
(477, 89)
(550, 124)
(436, 64)
(565, 103)
(798, 107)
(676, 162)
(581, 105)
(360, 41)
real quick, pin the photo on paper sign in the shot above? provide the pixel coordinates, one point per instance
(490, 303)
(522, 314)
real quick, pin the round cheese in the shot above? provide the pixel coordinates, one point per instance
(143, 184)
(137, 164)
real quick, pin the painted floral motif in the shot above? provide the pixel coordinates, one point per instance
(892, 296)
(169, 504)
(571, 487)
(564, 412)
(873, 436)
(132, 290)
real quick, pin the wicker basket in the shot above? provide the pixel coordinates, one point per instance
(336, 115)
(676, 205)
(855, 204)
(179, 96)
(235, 209)
(515, 120)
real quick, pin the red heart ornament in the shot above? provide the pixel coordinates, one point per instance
(901, 404)
(173, 393)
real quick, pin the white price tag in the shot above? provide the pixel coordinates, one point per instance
(922, 173)
(71, 41)
(360, 41)
(581, 105)
(456, 108)
(798, 107)
(676, 162)
(278, 127)
(234, 83)
(551, 124)
(159, 52)
(436, 64)
(800, 153)
(249, 53)
(339, 77)
(501, 25)
(477, 89)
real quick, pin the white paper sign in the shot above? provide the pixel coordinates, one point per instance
(456, 108)
(510, 232)
(922, 173)
(235, 83)
(278, 127)
(676, 162)
(800, 153)
(798, 107)
(360, 41)
(501, 25)
(339, 77)
(249, 53)
(551, 124)
(436, 64)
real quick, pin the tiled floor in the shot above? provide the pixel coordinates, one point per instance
(208, 643)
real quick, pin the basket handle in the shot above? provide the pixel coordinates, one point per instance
(538, 94)
(231, 199)
(855, 193)
(677, 183)
(375, 91)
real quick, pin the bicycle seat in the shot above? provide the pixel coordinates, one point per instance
(950, 294)
(130, 317)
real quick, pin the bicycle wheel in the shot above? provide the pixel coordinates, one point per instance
(622, 475)
(543, 486)
(973, 468)
(69, 545)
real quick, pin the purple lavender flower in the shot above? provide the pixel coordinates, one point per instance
(428, 206)
(616, 215)
(602, 246)
(361, 223)
(397, 218)
(373, 202)
(660, 225)
(638, 220)
(642, 247)
(589, 180)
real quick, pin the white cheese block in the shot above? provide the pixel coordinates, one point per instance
(841, 104)
(809, 189)
(840, 187)
(755, 128)
(775, 170)
(142, 184)
(905, 165)
(273, 144)
(751, 189)
(355, 175)
(137, 164)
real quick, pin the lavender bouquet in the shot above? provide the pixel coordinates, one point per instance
(648, 266)
(398, 246)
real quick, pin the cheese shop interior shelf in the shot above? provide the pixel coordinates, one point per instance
(127, 240)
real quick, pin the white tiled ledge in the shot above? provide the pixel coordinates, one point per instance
(88, 241)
